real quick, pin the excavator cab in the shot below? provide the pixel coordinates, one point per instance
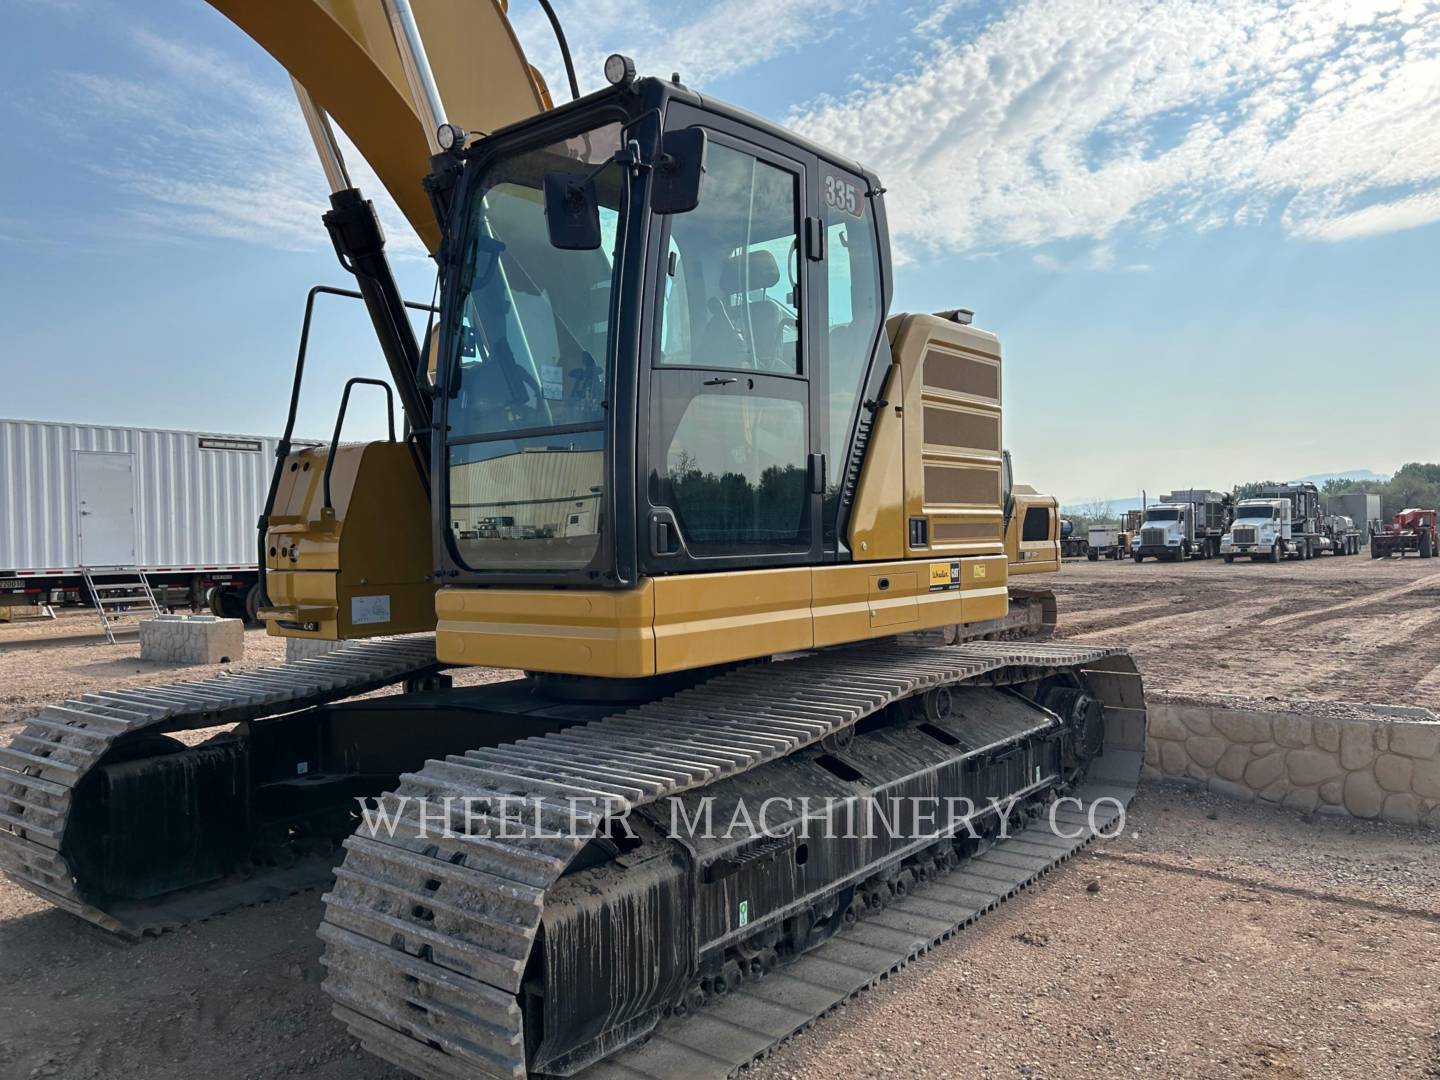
(656, 405)
(678, 398)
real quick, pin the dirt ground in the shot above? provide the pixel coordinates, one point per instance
(1338, 629)
(1224, 940)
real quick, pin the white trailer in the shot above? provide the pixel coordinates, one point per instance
(180, 506)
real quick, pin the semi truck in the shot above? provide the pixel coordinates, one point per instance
(1285, 521)
(1183, 525)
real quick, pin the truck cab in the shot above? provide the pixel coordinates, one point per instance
(1165, 533)
(1262, 530)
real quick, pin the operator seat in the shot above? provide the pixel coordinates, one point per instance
(723, 343)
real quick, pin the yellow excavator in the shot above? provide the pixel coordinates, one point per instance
(748, 535)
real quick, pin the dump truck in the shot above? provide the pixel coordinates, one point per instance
(1410, 530)
(1285, 520)
(750, 505)
(1183, 525)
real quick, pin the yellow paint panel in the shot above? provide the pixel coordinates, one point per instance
(362, 570)
(592, 632)
(704, 619)
(892, 599)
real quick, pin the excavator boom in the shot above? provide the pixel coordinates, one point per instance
(344, 53)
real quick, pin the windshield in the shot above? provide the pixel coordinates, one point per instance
(528, 341)
(1162, 515)
(1256, 513)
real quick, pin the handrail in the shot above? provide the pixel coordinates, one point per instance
(284, 446)
(328, 506)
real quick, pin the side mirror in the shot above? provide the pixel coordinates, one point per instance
(572, 212)
(679, 172)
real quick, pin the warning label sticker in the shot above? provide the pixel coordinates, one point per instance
(369, 609)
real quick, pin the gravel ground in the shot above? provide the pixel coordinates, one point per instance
(1224, 940)
(42, 662)
(1253, 945)
(1330, 629)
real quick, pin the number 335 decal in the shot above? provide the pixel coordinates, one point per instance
(845, 195)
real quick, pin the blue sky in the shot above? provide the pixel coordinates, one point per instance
(1207, 234)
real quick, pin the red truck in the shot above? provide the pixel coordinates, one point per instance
(1411, 530)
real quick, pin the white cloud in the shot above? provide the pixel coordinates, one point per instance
(1099, 257)
(212, 151)
(1055, 120)
(703, 44)
(1411, 211)
(1063, 119)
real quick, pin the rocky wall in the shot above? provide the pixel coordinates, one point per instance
(1367, 761)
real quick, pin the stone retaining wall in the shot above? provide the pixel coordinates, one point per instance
(1369, 761)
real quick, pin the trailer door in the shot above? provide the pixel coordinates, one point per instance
(105, 507)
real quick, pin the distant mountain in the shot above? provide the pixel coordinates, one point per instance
(1117, 506)
(1319, 479)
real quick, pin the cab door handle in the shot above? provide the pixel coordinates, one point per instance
(817, 474)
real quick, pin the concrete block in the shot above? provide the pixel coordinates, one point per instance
(1363, 796)
(1231, 765)
(1303, 799)
(1394, 772)
(1197, 719)
(1240, 726)
(1165, 723)
(192, 639)
(304, 648)
(1205, 750)
(1357, 746)
(1263, 772)
(1402, 809)
(1425, 778)
(1292, 731)
(1172, 758)
(1311, 767)
(1230, 790)
(1415, 740)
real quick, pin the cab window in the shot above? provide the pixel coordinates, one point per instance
(732, 289)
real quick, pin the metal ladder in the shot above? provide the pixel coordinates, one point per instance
(116, 600)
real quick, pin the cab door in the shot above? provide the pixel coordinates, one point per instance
(730, 465)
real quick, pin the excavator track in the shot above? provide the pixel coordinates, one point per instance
(45, 764)
(430, 934)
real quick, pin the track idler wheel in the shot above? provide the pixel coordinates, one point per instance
(1085, 716)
